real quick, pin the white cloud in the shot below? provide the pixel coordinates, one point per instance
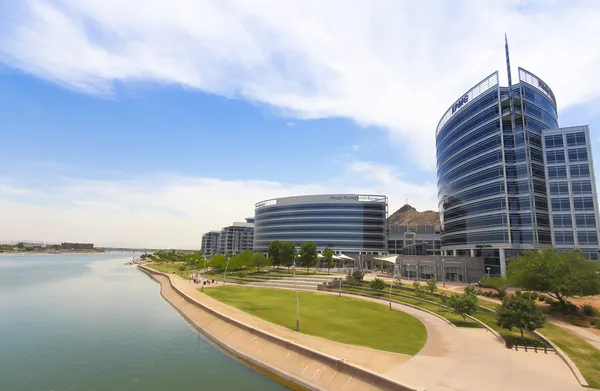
(393, 64)
(355, 148)
(290, 124)
(172, 211)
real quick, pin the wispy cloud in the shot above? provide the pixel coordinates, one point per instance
(392, 64)
(172, 210)
(355, 148)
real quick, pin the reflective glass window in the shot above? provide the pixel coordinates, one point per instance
(555, 156)
(562, 221)
(554, 141)
(583, 203)
(579, 170)
(578, 155)
(495, 204)
(587, 220)
(559, 188)
(521, 236)
(561, 204)
(576, 139)
(564, 237)
(587, 237)
(557, 172)
(581, 187)
(520, 220)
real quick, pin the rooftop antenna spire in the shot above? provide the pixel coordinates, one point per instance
(510, 90)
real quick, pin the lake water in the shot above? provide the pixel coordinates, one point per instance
(87, 322)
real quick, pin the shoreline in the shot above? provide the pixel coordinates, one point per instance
(297, 364)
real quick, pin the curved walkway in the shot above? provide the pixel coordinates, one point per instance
(453, 358)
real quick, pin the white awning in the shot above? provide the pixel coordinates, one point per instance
(342, 256)
(390, 259)
(320, 256)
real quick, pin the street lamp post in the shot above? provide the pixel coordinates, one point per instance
(392, 284)
(444, 272)
(488, 271)
(297, 301)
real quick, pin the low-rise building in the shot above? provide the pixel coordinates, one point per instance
(414, 240)
(76, 246)
(210, 243)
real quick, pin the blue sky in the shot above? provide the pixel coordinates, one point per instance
(148, 125)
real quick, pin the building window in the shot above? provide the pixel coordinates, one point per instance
(555, 156)
(585, 220)
(561, 205)
(554, 141)
(558, 172)
(583, 203)
(559, 188)
(564, 237)
(580, 170)
(581, 187)
(578, 155)
(562, 221)
(587, 237)
(576, 139)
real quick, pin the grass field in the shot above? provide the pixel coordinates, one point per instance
(340, 319)
(584, 355)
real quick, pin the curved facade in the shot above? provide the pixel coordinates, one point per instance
(349, 223)
(491, 169)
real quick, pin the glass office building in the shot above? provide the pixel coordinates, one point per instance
(509, 179)
(346, 223)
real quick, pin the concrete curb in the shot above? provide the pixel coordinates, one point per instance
(567, 360)
(364, 374)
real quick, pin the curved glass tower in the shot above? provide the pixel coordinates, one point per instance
(492, 166)
(349, 223)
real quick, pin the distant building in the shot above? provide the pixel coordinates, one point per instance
(236, 238)
(31, 244)
(210, 243)
(414, 240)
(76, 246)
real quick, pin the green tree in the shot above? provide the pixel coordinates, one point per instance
(241, 260)
(469, 290)
(463, 305)
(499, 284)
(398, 282)
(287, 254)
(328, 257)
(520, 312)
(308, 255)
(377, 284)
(557, 274)
(259, 260)
(432, 285)
(218, 262)
(274, 253)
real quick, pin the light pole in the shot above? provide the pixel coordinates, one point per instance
(391, 284)
(297, 301)
(444, 271)
(488, 271)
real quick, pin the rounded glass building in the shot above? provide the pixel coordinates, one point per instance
(348, 223)
(492, 188)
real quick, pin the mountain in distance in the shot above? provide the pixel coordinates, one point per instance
(407, 215)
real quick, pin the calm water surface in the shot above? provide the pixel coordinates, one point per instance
(87, 322)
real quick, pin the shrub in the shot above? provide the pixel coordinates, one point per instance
(469, 290)
(358, 275)
(541, 298)
(398, 282)
(588, 310)
(182, 268)
(377, 284)
(241, 273)
(579, 322)
(518, 293)
(571, 308)
(598, 325)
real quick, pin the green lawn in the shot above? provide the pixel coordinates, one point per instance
(340, 319)
(584, 355)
